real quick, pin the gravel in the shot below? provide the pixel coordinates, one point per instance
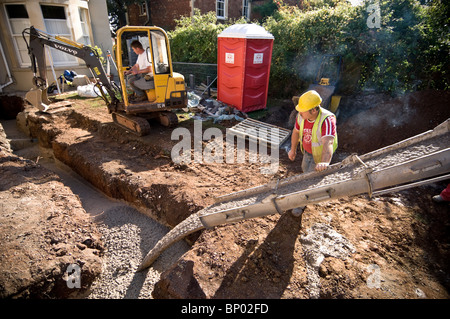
(186, 227)
(322, 241)
(128, 234)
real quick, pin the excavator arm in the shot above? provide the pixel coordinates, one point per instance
(36, 49)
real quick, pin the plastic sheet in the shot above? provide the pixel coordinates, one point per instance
(89, 90)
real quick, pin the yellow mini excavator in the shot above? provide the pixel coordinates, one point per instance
(165, 90)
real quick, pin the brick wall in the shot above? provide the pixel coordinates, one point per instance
(164, 12)
(134, 15)
(256, 3)
(205, 5)
(234, 7)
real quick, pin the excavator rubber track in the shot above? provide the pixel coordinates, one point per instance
(168, 119)
(137, 125)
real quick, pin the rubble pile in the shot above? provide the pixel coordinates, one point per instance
(205, 109)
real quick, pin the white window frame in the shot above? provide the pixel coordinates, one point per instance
(142, 9)
(84, 14)
(14, 36)
(224, 3)
(72, 60)
(246, 4)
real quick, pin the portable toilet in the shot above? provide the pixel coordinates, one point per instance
(243, 66)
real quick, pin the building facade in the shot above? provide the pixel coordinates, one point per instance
(163, 13)
(83, 21)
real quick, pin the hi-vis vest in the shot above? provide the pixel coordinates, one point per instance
(316, 139)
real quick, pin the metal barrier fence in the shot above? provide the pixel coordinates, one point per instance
(197, 74)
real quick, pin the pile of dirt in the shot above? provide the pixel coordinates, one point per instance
(135, 169)
(138, 170)
(370, 121)
(44, 231)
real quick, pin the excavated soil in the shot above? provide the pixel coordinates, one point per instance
(44, 230)
(393, 246)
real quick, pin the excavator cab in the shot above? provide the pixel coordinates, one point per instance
(165, 90)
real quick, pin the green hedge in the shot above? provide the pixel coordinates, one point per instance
(195, 38)
(408, 52)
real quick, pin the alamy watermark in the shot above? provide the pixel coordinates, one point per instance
(74, 276)
(193, 149)
(374, 279)
(374, 19)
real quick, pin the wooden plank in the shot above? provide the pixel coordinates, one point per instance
(252, 124)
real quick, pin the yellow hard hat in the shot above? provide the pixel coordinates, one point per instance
(308, 101)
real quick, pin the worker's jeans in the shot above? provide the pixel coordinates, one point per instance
(308, 165)
(131, 79)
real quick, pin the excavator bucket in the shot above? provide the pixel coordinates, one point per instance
(38, 98)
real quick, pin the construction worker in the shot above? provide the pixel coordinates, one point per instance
(315, 130)
(138, 71)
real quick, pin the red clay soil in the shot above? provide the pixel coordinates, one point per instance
(405, 234)
(44, 229)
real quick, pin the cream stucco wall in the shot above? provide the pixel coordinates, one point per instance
(99, 33)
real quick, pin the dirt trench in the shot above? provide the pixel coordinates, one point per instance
(44, 231)
(138, 170)
(400, 244)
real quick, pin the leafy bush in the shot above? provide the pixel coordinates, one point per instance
(301, 38)
(433, 61)
(195, 38)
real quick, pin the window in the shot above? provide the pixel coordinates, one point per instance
(56, 24)
(84, 26)
(246, 9)
(18, 20)
(160, 57)
(221, 9)
(142, 9)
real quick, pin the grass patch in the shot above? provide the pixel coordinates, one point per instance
(95, 102)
